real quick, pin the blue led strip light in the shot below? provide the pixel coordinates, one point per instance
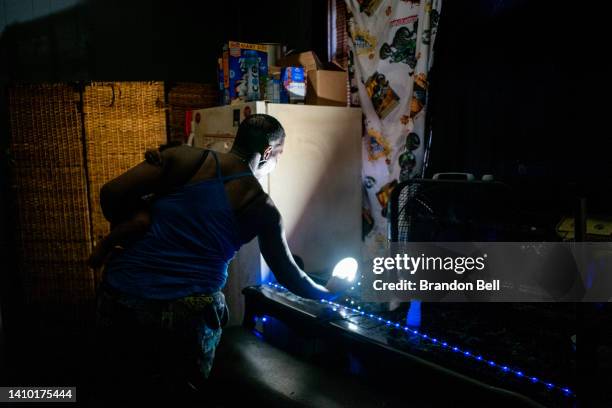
(467, 354)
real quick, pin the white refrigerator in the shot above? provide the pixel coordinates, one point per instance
(316, 185)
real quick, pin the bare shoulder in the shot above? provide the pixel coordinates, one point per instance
(181, 154)
(180, 163)
(253, 185)
(267, 209)
(261, 211)
(260, 218)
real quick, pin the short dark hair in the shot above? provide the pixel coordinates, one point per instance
(257, 132)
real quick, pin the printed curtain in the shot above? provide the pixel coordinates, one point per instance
(390, 54)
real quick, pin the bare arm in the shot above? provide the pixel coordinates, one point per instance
(126, 232)
(274, 248)
(121, 235)
(120, 198)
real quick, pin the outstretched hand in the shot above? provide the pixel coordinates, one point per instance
(338, 286)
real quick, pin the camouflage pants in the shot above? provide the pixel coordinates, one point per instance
(155, 344)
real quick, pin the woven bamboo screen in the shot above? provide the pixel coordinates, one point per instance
(184, 97)
(48, 181)
(122, 120)
(57, 188)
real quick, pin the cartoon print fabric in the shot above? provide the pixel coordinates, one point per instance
(391, 43)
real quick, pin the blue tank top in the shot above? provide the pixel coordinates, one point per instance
(186, 251)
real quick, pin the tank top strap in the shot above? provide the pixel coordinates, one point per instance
(218, 167)
(237, 175)
(231, 176)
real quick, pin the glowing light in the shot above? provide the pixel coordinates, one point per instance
(413, 318)
(346, 269)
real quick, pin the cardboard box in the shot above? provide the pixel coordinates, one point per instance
(293, 85)
(325, 85)
(245, 71)
(223, 91)
(308, 60)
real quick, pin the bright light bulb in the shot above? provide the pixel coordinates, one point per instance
(346, 269)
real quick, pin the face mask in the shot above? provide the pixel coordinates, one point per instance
(266, 166)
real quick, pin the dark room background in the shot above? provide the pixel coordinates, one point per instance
(515, 91)
(146, 40)
(518, 87)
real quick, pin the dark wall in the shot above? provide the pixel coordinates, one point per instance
(510, 92)
(153, 40)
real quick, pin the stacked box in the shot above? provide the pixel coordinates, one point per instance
(245, 71)
(293, 85)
